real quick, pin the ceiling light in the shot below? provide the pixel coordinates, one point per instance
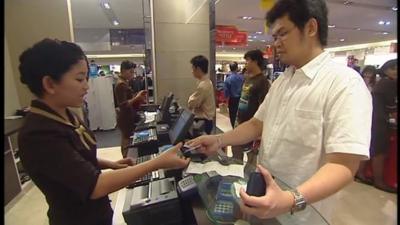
(106, 5)
(244, 17)
(263, 40)
(385, 33)
(381, 22)
(116, 23)
(394, 8)
(258, 32)
(250, 40)
(387, 23)
(347, 2)
(341, 40)
(358, 28)
(332, 26)
(249, 18)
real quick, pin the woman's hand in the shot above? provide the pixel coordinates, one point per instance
(273, 203)
(171, 159)
(122, 163)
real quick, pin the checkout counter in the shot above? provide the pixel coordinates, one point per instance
(160, 201)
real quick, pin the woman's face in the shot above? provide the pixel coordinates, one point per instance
(367, 77)
(391, 72)
(73, 86)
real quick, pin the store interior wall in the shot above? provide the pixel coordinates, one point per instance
(27, 22)
(117, 61)
(11, 101)
(178, 37)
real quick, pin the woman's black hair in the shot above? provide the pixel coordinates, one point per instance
(48, 57)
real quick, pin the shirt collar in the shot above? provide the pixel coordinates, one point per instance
(310, 69)
(43, 106)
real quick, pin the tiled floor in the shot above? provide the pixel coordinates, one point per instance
(359, 204)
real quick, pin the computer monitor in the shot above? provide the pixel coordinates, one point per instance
(181, 127)
(165, 109)
(163, 102)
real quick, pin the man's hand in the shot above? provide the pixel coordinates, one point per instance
(171, 159)
(273, 203)
(141, 96)
(209, 144)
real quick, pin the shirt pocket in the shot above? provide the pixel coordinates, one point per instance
(305, 129)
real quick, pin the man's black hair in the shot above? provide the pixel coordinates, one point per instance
(48, 57)
(300, 12)
(127, 65)
(256, 55)
(388, 64)
(233, 66)
(200, 62)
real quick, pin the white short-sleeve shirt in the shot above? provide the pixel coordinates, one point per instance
(321, 108)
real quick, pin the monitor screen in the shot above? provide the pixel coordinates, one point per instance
(164, 110)
(179, 130)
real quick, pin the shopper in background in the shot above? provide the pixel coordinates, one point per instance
(58, 150)
(384, 119)
(254, 89)
(369, 76)
(314, 123)
(202, 101)
(232, 89)
(128, 103)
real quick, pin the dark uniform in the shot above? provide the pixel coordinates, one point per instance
(63, 165)
(127, 115)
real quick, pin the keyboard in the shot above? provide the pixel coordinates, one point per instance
(143, 137)
(155, 175)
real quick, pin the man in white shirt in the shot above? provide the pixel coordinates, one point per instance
(314, 123)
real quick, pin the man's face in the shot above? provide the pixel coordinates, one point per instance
(289, 41)
(250, 65)
(196, 72)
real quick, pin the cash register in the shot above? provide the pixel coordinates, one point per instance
(176, 134)
(154, 203)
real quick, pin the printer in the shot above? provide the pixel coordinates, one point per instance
(154, 203)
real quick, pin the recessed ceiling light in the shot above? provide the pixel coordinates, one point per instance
(246, 17)
(249, 18)
(250, 39)
(263, 40)
(381, 22)
(341, 40)
(332, 26)
(394, 8)
(106, 5)
(385, 33)
(258, 32)
(387, 23)
(347, 2)
(358, 28)
(116, 23)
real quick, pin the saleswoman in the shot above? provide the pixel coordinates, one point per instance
(58, 151)
(127, 103)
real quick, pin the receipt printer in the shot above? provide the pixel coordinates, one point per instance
(155, 203)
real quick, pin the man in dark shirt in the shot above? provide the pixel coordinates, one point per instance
(232, 89)
(254, 89)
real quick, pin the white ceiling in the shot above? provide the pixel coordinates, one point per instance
(363, 14)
